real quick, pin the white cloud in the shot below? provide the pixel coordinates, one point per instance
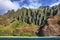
(8, 5)
(32, 4)
(57, 3)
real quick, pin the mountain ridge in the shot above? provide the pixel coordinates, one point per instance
(30, 17)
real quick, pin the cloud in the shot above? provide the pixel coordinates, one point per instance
(33, 4)
(6, 5)
(29, 3)
(56, 3)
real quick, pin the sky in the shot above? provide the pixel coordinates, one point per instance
(6, 5)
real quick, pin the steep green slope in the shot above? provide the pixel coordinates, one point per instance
(26, 17)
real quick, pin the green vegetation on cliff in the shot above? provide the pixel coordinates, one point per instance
(27, 17)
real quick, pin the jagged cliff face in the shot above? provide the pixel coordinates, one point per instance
(53, 28)
(35, 16)
(47, 18)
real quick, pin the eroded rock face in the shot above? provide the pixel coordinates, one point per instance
(53, 28)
